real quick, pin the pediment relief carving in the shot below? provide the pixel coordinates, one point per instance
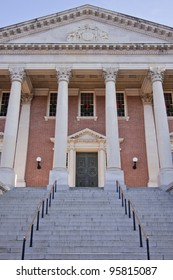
(87, 33)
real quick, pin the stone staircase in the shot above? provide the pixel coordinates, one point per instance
(155, 209)
(17, 208)
(86, 223)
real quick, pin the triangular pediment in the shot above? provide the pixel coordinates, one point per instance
(86, 135)
(86, 24)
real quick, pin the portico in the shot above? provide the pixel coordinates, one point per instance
(96, 84)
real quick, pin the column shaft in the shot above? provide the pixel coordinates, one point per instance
(151, 143)
(12, 118)
(162, 129)
(112, 135)
(113, 171)
(59, 172)
(22, 140)
(61, 126)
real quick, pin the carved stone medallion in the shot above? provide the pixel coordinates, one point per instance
(87, 33)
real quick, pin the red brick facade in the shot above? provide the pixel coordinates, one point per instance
(132, 131)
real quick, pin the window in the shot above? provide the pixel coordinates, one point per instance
(120, 104)
(168, 103)
(4, 103)
(87, 104)
(52, 104)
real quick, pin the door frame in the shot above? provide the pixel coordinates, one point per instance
(83, 142)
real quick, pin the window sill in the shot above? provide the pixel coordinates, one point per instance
(47, 118)
(86, 118)
(2, 117)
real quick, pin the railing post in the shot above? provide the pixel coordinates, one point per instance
(117, 185)
(47, 200)
(134, 222)
(140, 236)
(129, 209)
(53, 192)
(125, 200)
(50, 197)
(148, 248)
(38, 219)
(122, 199)
(23, 248)
(119, 192)
(31, 236)
(42, 209)
(55, 186)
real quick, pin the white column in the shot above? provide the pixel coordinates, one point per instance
(59, 171)
(22, 140)
(151, 142)
(162, 129)
(112, 136)
(7, 174)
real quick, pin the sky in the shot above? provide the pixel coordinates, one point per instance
(16, 11)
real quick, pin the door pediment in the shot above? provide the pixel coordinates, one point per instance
(86, 135)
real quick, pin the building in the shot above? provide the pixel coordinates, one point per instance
(114, 76)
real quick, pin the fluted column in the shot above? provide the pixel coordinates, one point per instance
(61, 128)
(151, 142)
(22, 140)
(112, 135)
(162, 129)
(11, 127)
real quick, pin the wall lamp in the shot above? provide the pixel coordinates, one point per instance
(135, 160)
(38, 160)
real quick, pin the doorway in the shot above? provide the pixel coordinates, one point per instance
(86, 169)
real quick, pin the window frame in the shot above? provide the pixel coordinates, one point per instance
(171, 92)
(125, 105)
(94, 117)
(1, 96)
(48, 106)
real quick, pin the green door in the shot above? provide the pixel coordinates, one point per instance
(87, 169)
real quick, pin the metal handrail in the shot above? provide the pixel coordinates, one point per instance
(131, 208)
(40, 207)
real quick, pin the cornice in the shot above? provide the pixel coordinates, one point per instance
(91, 12)
(74, 48)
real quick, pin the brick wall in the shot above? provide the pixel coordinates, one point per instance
(41, 131)
(39, 144)
(134, 144)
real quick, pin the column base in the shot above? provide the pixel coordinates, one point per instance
(153, 184)
(20, 184)
(61, 177)
(113, 175)
(8, 177)
(166, 176)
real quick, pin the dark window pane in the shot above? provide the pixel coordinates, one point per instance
(52, 105)
(4, 103)
(87, 104)
(120, 104)
(168, 103)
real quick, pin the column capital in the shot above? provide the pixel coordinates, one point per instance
(17, 74)
(110, 74)
(147, 98)
(26, 98)
(156, 74)
(63, 74)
